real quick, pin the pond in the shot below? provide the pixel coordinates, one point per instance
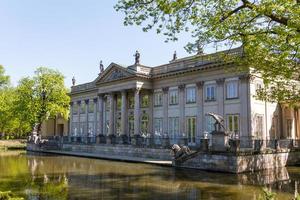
(40, 176)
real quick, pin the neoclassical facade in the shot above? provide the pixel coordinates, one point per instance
(171, 100)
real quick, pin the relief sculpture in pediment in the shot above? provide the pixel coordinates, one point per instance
(116, 74)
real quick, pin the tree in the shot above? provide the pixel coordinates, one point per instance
(4, 79)
(42, 97)
(268, 30)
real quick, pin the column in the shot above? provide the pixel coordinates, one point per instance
(124, 113)
(86, 117)
(71, 120)
(165, 109)
(150, 93)
(95, 116)
(200, 107)
(78, 132)
(101, 111)
(220, 96)
(181, 109)
(292, 110)
(137, 111)
(243, 95)
(111, 114)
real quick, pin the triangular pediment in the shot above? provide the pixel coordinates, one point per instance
(114, 72)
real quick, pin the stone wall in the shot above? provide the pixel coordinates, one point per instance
(234, 163)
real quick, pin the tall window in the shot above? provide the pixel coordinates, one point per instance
(119, 102)
(118, 124)
(191, 130)
(173, 127)
(209, 124)
(130, 102)
(173, 95)
(190, 95)
(210, 92)
(91, 107)
(233, 123)
(75, 109)
(82, 108)
(158, 100)
(259, 126)
(144, 124)
(289, 127)
(145, 101)
(131, 124)
(232, 90)
(158, 126)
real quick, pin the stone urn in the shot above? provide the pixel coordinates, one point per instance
(204, 143)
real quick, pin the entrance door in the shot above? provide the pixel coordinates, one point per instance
(60, 129)
(191, 130)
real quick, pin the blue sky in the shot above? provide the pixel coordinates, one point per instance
(72, 36)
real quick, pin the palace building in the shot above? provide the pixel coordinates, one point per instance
(172, 100)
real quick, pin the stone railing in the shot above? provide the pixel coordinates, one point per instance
(83, 87)
(193, 61)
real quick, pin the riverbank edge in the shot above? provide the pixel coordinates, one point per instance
(165, 163)
(12, 145)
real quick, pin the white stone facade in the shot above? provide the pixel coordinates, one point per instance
(173, 99)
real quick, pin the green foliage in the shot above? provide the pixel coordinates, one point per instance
(4, 79)
(8, 196)
(34, 100)
(42, 96)
(267, 195)
(269, 31)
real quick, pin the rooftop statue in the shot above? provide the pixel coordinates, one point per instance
(174, 56)
(101, 67)
(73, 81)
(137, 57)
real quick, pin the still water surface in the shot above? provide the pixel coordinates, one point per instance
(60, 177)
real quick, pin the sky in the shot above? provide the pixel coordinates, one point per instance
(72, 36)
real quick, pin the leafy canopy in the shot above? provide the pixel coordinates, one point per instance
(268, 29)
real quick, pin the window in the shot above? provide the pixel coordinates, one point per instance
(75, 109)
(91, 107)
(82, 108)
(258, 126)
(209, 124)
(289, 126)
(173, 127)
(190, 95)
(118, 124)
(210, 92)
(131, 102)
(145, 101)
(107, 104)
(173, 95)
(158, 126)
(258, 87)
(119, 103)
(233, 123)
(144, 124)
(232, 90)
(131, 124)
(191, 130)
(75, 128)
(91, 131)
(158, 101)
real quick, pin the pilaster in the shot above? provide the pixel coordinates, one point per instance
(200, 107)
(181, 109)
(165, 109)
(137, 111)
(101, 111)
(220, 96)
(124, 113)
